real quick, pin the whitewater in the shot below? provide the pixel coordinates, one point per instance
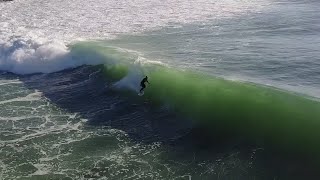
(234, 93)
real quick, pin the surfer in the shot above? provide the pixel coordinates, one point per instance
(142, 83)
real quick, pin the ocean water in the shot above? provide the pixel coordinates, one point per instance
(234, 89)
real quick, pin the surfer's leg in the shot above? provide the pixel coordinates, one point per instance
(142, 87)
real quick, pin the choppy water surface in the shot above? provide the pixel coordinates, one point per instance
(233, 95)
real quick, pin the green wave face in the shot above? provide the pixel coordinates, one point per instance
(260, 114)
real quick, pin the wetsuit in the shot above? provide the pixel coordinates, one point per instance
(142, 84)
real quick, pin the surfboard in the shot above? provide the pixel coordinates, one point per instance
(141, 93)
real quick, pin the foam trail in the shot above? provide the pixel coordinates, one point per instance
(30, 97)
(131, 80)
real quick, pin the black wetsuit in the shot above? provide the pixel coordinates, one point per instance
(142, 84)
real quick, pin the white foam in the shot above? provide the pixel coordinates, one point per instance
(42, 169)
(135, 71)
(30, 97)
(6, 82)
(23, 56)
(20, 118)
(131, 81)
(34, 34)
(96, 19)
(42, 130)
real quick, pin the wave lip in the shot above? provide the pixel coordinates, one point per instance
(22, 56)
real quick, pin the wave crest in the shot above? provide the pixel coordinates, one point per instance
(21, 56)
